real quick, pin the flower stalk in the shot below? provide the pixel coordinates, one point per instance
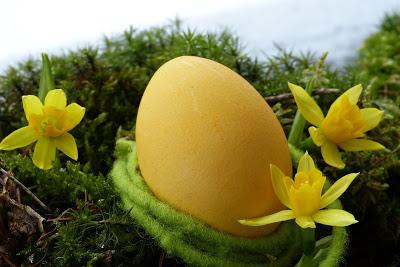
(308, 239)
(299, 123)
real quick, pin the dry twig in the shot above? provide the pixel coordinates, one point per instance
(31, 212)
(10, 195)
(277, 98)
(29, 192)
(7, 260)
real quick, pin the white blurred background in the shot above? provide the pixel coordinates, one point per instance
(28, 27)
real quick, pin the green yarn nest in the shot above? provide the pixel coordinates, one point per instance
(196, 243)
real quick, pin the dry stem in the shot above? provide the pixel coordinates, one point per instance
(277, 98)
(29, 192)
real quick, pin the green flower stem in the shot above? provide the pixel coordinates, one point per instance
(308, 239)
(296, 132)
(46, 78)
(296, 154)
(307, 144)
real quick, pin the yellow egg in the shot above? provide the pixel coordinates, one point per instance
(205, 139)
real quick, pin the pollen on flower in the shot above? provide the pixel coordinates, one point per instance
(305, 192)
(50, 123)
(343, 122)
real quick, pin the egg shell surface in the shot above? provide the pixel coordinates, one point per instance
(205, 140)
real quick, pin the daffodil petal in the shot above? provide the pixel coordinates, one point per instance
(279, 186)
(307, 105)
(306, 163)
(288, 183)
(331, 155)
(372, 116)
(337, 189)
(32, 105)
(334, 217)
(280, 216)
(73, 116)
(56, 98)
(317, 136)
(360, 145)
(66, 143)
(353, 93)
(19, 138)
(44, 154)
(305, 222)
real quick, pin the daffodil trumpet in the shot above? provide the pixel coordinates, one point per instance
(48, 124)
(343, 127)
(302, 197)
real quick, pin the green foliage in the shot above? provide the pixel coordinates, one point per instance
(109, 80)
(376, 196)
(380, 59)
(88, 225)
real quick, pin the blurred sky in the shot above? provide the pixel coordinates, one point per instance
(29, 27)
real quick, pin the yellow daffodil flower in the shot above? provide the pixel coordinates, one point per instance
(303, 197)
(343, 127)
(48, 124)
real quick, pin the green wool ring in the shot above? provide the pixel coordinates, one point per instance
(198, 244)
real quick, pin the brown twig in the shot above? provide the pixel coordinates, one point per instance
(392, 93)
(60, 217)
(31, 212)
(44, 236)
(7, 260)
(66, 219)
(162, 257)
(41, 259)
(385, 90)
(4, 183)
(277, 98)
(29, 192)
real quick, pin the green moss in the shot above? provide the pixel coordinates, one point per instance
(96, 227)
(380, 59)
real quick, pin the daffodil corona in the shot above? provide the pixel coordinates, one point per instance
(303, 197)
(344, 126)
(48, 124)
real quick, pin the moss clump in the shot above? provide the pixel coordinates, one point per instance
(87, 225)
(375, 198)
(380, 59)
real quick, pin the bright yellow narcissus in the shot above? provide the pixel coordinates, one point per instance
(303, 197)
(48, 124)
(344, 125)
